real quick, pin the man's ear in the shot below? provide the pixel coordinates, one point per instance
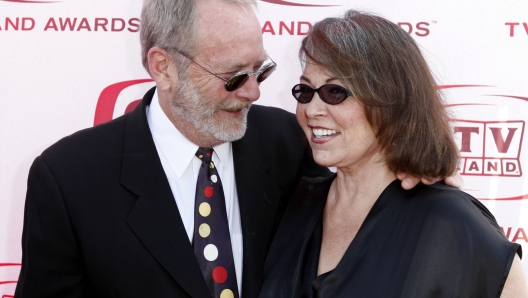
(162, 68)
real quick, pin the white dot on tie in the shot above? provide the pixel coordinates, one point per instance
(214, 178)
(210, 252)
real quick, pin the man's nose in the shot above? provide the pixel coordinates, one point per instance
(250, 89)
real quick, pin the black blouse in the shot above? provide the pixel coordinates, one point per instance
(431, 241)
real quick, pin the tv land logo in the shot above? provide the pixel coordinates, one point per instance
(491, 147)
(490, 137)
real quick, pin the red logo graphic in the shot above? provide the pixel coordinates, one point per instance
(104, 110)
(493, 154)
(514, 24)
(282, 2)
(420, 29)
(30, 1)
(96, 24)
(515, 235)
(8, 279)
(16, 24)
(489, 147)
(293, 28)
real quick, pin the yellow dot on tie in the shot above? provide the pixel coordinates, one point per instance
(204, 209)
(200, 156)
(227, 293)
(211, 165)
(204, 230)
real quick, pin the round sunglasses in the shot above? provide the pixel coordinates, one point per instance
(239, 78)
(329, 93)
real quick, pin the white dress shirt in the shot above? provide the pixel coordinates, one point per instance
(181, 167)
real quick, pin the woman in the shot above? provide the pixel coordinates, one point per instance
(369, 107)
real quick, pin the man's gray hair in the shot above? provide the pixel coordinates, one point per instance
(170, 25)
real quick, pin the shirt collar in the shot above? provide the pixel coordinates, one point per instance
(174, 146)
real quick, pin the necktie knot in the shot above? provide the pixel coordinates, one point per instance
(204, 154)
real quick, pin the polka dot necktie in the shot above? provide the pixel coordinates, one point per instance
(212, 243)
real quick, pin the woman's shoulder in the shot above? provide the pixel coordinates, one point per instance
(449, 213)
(440, 193)
(442, 201)
(452, 230)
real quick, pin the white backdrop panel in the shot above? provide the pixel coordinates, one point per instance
(53, 73)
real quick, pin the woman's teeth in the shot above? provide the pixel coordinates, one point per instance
(319, 132)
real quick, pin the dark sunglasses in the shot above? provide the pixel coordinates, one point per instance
(239, 78)
(329, 93)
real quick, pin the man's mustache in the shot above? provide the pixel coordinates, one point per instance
(233, 106)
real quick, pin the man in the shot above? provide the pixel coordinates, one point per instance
(110, 211)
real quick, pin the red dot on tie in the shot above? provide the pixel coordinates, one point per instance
(208, 191)
(219, 274)
(209, 154)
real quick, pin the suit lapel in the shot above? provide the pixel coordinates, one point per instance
(258, 198)
(155, 218)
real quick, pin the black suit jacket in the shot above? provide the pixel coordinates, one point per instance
(101, 221)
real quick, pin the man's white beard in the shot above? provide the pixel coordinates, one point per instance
(189, 104)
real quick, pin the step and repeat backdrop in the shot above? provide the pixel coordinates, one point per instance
(66, 65)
